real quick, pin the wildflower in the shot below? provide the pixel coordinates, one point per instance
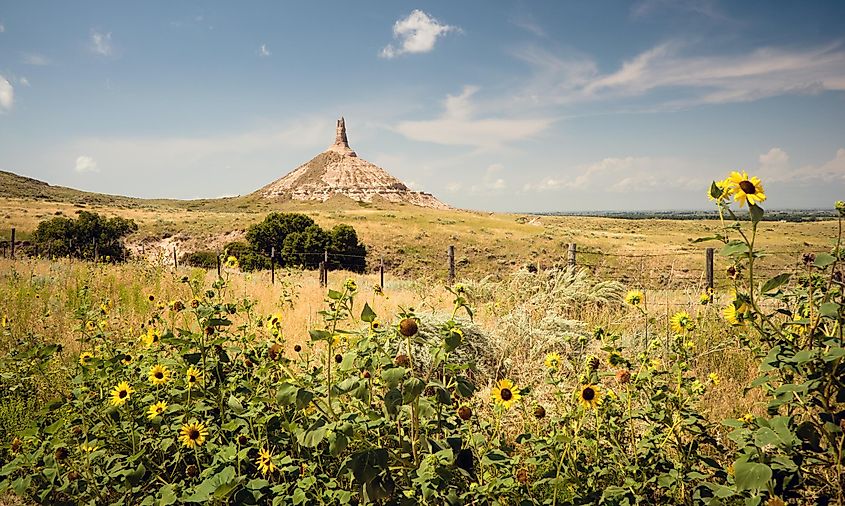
(615, 359)
(402, 360)
(193, 434)
(297, 348)
(681, 322)
(731, 315)
(375, 325)
(589, 396)
(156, 409)
(623, 376)
(593, 363)
(177, 306)
(774, 501)
(714, 378)
(265, 462)
(151, 297)
(745, 190)
(408, 327)
(378, 290)
(151, 337)
(195, 303)
(505, 393)
(747, 418)
(4, 321)
(121, 393)
(719, 190)
(634, 298)
(460, 289)
(552, 360)
(350, 285)
(704, 299)
(840, 206)
(192, 471)
(88, 447)
(192, 376)
(105, 307)
(159, 375)
(127, 359)
(274, 352)
(232, 262)
(85, 358)
(89, 326)
(17, 445)
(522, 476)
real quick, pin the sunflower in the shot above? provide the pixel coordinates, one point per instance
(375, 325)
(714, 378)
(156, 409)
(121, 393)
(745, 190)
(4, 321)
(589, 396)
(127, 359)
(192, 376)
(505, 393)
(85, 358)
(681, 322)
(159, 375)
(350, 285)
(193, 434)
(265, 462)
(721, 192)
(634, 297)
(151, 337)
(232, 262)
(88, 447)
(704, 299)
(89, 326)
(552, 360)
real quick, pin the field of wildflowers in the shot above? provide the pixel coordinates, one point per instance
(206, 398)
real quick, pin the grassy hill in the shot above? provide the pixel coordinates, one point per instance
(413, 240)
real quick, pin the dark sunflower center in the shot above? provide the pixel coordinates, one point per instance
(588, 394)
(748, 187)
(192, 379)
(122, 394)
(159, 375)
(194, 434)
(506, 394)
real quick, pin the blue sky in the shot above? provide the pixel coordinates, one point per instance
(529, 106)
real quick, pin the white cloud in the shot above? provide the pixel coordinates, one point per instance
(86, 164)
(458, 125)
(416, 34)
(775, 167)
(706, 8)
(101, 43)
(714, 79)
(264, 51)
(490, 183)
(2, 28)
(627, 174)
(7, 94)
(454, 187)
(23, 81)
(36, 59)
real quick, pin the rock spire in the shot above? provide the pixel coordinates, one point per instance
(341, 143)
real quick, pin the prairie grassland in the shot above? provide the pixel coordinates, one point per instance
(413, 240)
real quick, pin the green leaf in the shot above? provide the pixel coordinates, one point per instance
(235, 405)
(734, 248)
(756, 213)
(751, 475)
(392, 401)
(168, 495)
(337, 443)
(314, 435)
(335, 295)
(320, 335)
(766, 436)
(367, 314)
(775, 282)
(823, 260)
(393, 376)
(412, 389)
(829, 309)
(286, 393)
(715, 191)
(135, 476)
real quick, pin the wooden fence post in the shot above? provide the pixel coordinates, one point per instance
(13, 243)
(273, 265)
(175, 263)
(571, 254)
(381, 273)
(322, 274)
(96, 251)
(218, 264)
(708, 271)
(451, 253)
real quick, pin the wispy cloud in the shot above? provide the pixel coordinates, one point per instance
(492, 182)
(715, 79)
(101, 43)
(7, 94)
(626, 174)
(23, 81)
(706, 8)
(264, 51)
(35, 59)
(458, 125)
(417, 33)
(86, 164)
(776, 167)
(529, 24)
(2, 27)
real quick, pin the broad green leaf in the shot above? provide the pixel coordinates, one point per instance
(734, 248)
(751, 475)
(235, 405)
(829, 309)
(412, 388)
(823, 260)
(393, 376)
(367, 314)
(286, 393)
(775, 282)
(756, 213)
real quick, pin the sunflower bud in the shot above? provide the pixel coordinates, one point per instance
(338, 358)
(539, 412)
(242, 440)
(623, 376)
(274, 352)
(402, 360)
(809, 258)
(297, 348)
(61, 453)
(365, 374)
(408, 327)
(593, 363)
(465, 412)
(522, 476)
(192, 471)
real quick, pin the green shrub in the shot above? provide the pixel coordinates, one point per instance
(204, 258)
